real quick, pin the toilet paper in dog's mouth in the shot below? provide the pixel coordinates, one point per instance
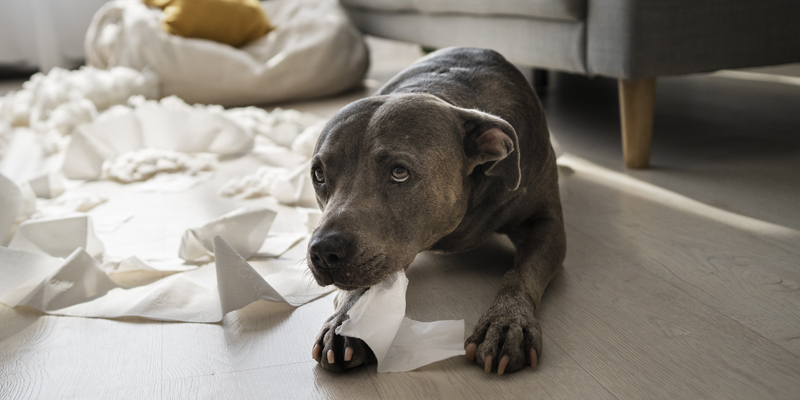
(399, 343)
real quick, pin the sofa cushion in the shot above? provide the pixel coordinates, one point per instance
(549, 44)
(570, 10)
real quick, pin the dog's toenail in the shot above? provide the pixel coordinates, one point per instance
(315, 352)
(331, 359)
(487, 366)
(470, 353)
(534, 358)
(348, 354)
(501, 367)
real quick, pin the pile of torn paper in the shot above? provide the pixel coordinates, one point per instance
(179, 212)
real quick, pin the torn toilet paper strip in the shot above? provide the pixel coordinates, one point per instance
(48, 185)
(151, 125)
(76, 286)
(400, 344)
(143, 164)
(10, 207)
(68, 203)
(278, 243)
(245, 228)
(58, 237)
(292, 188)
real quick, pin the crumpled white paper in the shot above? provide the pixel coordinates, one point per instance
(167, 125)
(47, 185)
(68, 203)
(58, 237)
(400, 344)
(5, 136)
(77, 286)
(17, 203)
(276, 244)
(62, 99)
(244, 228)
(10, 206)
(292, 188)
(143, 164)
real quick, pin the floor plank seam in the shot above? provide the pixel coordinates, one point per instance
(578, 364)
(720, 312)
(161, 392)
(237, 371)
(687, 294)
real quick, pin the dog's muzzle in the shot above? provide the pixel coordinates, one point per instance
(329, 250)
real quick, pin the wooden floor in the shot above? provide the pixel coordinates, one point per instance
(681, 282)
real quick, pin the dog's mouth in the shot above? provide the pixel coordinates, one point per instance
(353, 280)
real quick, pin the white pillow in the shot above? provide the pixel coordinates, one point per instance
(313, 51)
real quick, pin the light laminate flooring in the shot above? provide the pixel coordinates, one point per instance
(682, 281)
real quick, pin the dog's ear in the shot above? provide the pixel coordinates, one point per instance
(492, 142)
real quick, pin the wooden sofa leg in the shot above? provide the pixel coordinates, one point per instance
(637, 101)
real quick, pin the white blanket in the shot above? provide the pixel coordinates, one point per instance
(313, 51)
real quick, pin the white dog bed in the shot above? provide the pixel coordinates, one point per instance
(313, 51)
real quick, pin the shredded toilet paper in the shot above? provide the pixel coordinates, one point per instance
(69, 203)
(280, 126)
(48, 185)
(266, 181)
(5, 136)
(58, 237)
(245, 229)
(35, 105)
(400, 344)
(151, 133)
(89, 247)
(53, 104)
(143, 164)
(10, 207)
(55, 266)
(17, 204)
(288, 187)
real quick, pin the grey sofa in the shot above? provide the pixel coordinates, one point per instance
(634, 41)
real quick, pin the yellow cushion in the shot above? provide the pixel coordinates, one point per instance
(233, 22)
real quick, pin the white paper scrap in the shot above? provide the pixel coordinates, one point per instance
(278, 243)
(239, 284)
(10, 206)
(151, 125)
(143, 164)
(72, 202)
(57, 237)
(400, 344)
(79, 279)
(421, 343)
(245, 228)
(76, 286)
(22, 273)
(47, 186)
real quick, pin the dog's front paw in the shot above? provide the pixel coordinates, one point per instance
(339, 353)
(506, 338)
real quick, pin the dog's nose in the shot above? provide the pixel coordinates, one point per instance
(327, 250)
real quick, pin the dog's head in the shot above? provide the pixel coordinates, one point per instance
(392, 176)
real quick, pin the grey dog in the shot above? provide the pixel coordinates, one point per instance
(451, 150)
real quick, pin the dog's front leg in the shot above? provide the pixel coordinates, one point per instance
(508, 336)
(339, 353)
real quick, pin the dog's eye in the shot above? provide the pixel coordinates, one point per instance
(319, 177)
(399, 174)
